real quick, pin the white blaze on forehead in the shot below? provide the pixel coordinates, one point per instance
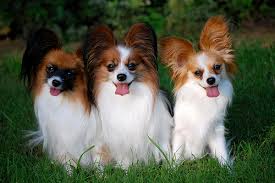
(123, 53)
(202, 58)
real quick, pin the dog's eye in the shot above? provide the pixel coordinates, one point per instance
(111, 67)
(70, 73)
(50, 69)
(198, 73)
(131, 66)
(217, 67)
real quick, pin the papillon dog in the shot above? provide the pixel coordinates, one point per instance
(67, 121)
(123, 79)
(203, 90)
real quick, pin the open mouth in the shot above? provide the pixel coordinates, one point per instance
(55, 91)
(122, 88)
(212, 91)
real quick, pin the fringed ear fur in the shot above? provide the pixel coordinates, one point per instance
(215, 37)
(175, 53)
(39, 44)
(143, 38)
(98, 40)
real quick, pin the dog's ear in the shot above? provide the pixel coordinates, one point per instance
(39, 44)
(175, 53)
(98, 40)
(143, 38)
(215, 37)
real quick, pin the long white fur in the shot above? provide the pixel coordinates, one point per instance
(66, 128)
(128, 120)
(199, 120)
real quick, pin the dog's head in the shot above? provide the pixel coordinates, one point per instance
(44, 62)
(213, 63)
(133, 60)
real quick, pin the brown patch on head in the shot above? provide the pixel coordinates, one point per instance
(176, 53)
(101, 70)
(62, 60)
(215, 38)
(193, 67)
(68, 61)
(214, 62)
(142, 40)
(145, 71)
(110, 56)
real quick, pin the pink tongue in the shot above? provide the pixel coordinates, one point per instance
(212, 91)
(54, 91)
(122, 89)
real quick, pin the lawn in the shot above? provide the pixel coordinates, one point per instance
(250, 122)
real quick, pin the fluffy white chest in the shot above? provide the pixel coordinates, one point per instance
(194, 108)
(199, 122)
(126, 119)
(64, 125)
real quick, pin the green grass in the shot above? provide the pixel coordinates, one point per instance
(250, 123)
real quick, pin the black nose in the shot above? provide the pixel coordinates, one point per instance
(211, 81)
(121, 77)
(56, 83)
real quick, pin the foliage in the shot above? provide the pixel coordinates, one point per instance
(187, 16)
(72, 18)
(120, 15)
(69, 17)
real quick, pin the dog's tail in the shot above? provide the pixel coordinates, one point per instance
(34, 138)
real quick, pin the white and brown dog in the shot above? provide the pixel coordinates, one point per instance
(67, 121)
(124, 81)
(203, 90)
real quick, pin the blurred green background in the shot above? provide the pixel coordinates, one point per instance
(71, 18)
